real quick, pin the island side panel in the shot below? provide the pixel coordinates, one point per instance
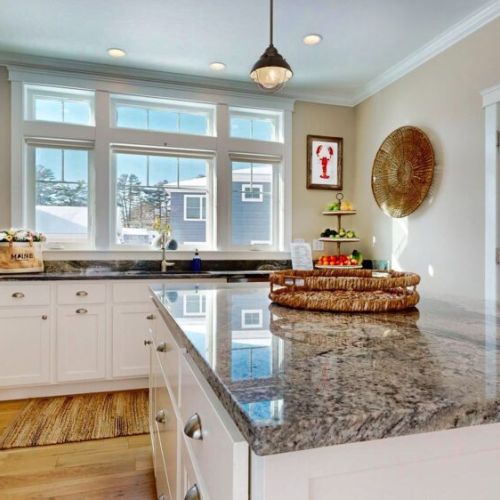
(453, 464)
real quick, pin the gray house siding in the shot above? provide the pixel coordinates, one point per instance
(185, 230)
(251, 220)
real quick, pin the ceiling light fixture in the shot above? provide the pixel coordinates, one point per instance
(217, 66)
(271, 71)
(312, 39)
(114, 52)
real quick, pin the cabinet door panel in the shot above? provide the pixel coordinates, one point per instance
(81, 343)
(131, 327)
(24, 347)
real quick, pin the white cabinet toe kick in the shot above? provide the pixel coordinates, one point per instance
(60, 337)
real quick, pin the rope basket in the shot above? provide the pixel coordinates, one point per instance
(345, 290)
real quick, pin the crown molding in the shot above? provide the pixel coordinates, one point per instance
(439, 44)
(21, 64)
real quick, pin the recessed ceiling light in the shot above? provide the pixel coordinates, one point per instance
(312, 39)
(114, 52)
(217, 66)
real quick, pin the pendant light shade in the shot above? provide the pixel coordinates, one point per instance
(271, 71)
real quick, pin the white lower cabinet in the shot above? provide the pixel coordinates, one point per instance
(81, 342)
(24, 346)
(131, 322)
(205, 455)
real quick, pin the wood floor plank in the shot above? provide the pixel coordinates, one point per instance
(90, 470)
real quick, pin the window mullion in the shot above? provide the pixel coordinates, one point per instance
(103, 188)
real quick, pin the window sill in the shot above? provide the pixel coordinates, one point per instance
(72, 254)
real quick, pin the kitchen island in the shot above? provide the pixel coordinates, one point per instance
(349, 406)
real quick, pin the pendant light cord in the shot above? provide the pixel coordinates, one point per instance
(271, 21)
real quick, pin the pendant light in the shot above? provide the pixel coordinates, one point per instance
(271, 71)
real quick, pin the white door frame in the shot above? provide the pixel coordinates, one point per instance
(491, 104)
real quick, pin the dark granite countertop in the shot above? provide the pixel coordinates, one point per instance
(295, 380)
(108, 274)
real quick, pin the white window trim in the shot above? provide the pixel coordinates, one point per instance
(200, 311)
(200, 197)
(245, 193)
(245, 324)
(104, 136)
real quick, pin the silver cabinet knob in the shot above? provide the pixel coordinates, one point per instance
(81, 311)
(44, 316)
(148, 342)
(162, 347)
(161, 417)
(193, 493)
(193, 429)
(18, 295)
(82, 293)
(150, 316)
(162, 497)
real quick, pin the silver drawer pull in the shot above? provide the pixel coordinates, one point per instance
(162, 497)
(162, 347)
(150, 316)
(147, 342)
(161, 417)
(81, 311)
(193, 429)
(193, 493)
(18, 295)
(82, 293)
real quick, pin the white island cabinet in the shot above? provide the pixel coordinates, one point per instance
(207, 374)
(74, 336)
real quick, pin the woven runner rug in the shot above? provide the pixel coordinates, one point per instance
(83, 417)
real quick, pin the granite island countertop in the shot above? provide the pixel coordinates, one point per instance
(293, 380)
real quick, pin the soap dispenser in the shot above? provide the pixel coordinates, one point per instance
(196, 262)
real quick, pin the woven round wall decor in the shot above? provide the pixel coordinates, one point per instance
(402, 171)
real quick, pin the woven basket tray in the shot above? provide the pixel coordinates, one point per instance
(345, 290)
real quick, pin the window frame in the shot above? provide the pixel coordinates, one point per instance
(210, 224)
(63, 94)
(202, 303)
(53, 243)
(245, 325)
(201, 197)
(104, 136)
(244, 193)
(158, 104)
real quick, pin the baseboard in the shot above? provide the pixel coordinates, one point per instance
(72, 388)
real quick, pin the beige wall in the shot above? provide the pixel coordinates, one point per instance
(4, 149)
(307, 204)
(444, 239)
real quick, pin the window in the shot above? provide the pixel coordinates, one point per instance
(211, 174)
(195, 207)
(194, 304)
(61, 192)
(257, 125)
(252, 223)
(163, 115)
(252, 192)
(153, 191)
(62, 105)
(251, 318)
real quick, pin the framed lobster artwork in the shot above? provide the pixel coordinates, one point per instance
(324, 162)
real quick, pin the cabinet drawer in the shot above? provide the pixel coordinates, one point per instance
(221, 455)
(168, 354)
(131, 292)
(24, 295)
(81, 293)
(188, 478)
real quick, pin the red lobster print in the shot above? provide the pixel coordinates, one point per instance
(324, 159)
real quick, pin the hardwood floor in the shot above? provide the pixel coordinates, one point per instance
(90, 470)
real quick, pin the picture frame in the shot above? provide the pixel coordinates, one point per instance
(324, 162)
